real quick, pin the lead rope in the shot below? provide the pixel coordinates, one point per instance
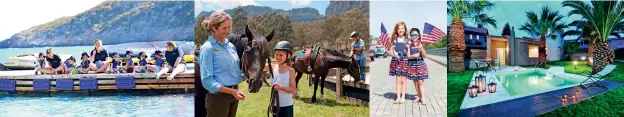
(274, 95)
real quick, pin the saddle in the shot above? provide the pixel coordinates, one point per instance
(310, 55)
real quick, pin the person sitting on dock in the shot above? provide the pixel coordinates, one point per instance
(158, 62)
(129, 67)
(40, 64)
(54, 61)
(116, 63)
(70, 65)
(175, 62)
(142, 68)
(98, 57)
(85, 67)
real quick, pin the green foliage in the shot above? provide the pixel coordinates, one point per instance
(279, 23)
(571, 47)
(545, 24)
(600, 17)
(239, 21)
(474, 10)
(201, 33)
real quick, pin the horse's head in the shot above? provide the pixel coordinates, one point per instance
(254, 58)
(354, 69)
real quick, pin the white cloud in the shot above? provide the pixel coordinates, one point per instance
(300, 2)
(19, 15)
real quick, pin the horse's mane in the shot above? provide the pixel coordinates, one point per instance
(334, 53)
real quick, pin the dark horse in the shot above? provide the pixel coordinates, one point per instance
(325, 60)
(253, 54)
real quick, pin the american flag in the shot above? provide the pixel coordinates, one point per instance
(383, 38)
(431, 34)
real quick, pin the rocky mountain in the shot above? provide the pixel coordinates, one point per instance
(296, 15)
(340, 7)
(113, 22)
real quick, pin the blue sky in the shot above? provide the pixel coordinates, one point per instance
(413, 13)
(513, 12)
(285, 5)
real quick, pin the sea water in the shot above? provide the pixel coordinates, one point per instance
(108, 105)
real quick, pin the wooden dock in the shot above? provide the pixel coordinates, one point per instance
(27, 83)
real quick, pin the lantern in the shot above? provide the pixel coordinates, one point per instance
(480, 82)
(564, 98)
(492, 87)
(575, 63)
(472, 91)
(577, 93)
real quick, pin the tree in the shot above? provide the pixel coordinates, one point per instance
(542, 26)
(570, 48)
(460, 10)
(239, 21)
(506, 30)
(601, 19)
(201, 33)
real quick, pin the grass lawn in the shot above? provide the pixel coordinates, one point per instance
(255, 105)
(611, 103)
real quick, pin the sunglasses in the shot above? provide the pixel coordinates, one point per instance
(414, 35)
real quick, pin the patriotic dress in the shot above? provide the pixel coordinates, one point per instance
(398, 66)
(417, 69)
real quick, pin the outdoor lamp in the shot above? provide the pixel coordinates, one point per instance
(472, 91)
(492, 87)
(577, 93)
(565, 96)
(575, 62)
(480, 82)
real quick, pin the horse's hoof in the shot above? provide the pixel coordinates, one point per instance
(313, 100)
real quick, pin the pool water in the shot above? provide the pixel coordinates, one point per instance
(108, 105)
(531, 82)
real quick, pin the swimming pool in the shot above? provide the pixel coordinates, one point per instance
(97, 105)
(530, 82)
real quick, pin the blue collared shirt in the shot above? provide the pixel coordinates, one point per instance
(359, 44)
(219, 65)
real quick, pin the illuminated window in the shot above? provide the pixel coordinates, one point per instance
(533, 51)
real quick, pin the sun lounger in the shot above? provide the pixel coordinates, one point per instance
(594, 79)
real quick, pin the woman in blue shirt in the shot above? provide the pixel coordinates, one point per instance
(219, 68)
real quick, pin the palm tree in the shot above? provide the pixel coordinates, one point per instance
(460, 10)
(543, 26)
(582, 33)
(600, 19)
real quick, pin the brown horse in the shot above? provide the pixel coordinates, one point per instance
(325, 60)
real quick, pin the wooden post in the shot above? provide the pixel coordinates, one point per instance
(338, 84)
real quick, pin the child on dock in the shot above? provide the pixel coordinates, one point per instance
(70, 65)
(40, 64)
(84, 65)
(129, 67)
(159, 62)
(142, 66)
(284, 79)
(116, 63)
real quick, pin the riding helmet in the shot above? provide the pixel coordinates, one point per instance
(355, 34)
(283, 45)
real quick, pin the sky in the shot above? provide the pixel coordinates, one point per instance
(211, 5)
(513, 12)
(19, 15)
(413, 13)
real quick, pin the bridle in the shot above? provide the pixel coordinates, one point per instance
(274, 99)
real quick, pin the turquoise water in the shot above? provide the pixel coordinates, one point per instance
(530, 82)
(79, 105)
